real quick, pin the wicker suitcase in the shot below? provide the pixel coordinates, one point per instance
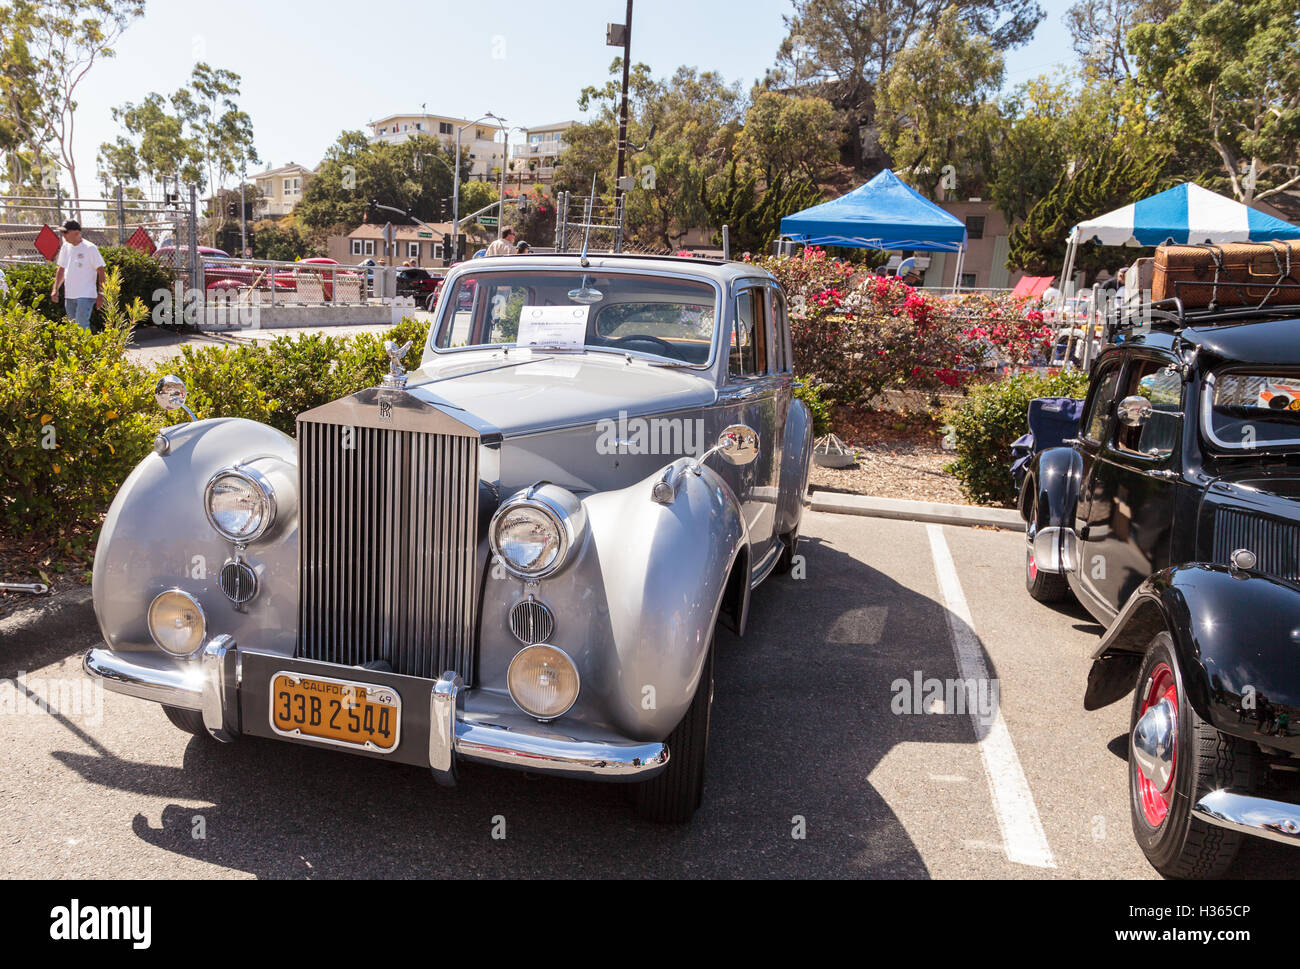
(1229, 275)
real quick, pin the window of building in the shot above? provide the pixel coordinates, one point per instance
(367, 247)
(967, 280)
(444, 127)
(412, 250)
(419, 126)
(356, 247)
(975, 226)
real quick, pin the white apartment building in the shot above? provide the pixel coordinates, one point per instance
(541, 149)
(281, 189)
(483, 140)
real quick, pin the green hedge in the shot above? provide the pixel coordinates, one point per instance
(141, 276)
(76, 416)
(990, 420)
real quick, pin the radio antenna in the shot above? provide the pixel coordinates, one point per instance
(586, 241)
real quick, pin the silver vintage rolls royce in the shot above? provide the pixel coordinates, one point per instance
(516, 554)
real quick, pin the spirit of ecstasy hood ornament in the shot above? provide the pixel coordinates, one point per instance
(395, 379)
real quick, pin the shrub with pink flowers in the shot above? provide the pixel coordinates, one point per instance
(1011, 326)
(857, 334)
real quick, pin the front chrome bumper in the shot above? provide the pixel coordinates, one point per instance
(1259, 816)
(226, 684)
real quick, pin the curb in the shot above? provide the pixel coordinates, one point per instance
(917, 511)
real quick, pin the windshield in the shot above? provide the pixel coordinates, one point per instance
(669, 318)
(1250, 411)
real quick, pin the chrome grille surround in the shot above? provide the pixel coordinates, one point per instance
(1275, 543)
(531, 622)
(388, 534)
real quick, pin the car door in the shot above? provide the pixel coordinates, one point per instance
(1133, 485)
(749, 396)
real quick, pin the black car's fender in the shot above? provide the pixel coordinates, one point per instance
(1054, 478)
(1235, 634)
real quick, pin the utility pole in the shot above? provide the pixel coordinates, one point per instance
(243, 215)
(615, 34)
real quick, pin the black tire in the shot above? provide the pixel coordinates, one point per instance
(673, 796)
(1048, 587)
(191, 721)
(788, 553)
(1205, 760)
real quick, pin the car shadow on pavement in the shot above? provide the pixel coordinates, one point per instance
(801, 717)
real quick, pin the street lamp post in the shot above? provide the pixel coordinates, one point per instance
(455, 199)
(625, 35)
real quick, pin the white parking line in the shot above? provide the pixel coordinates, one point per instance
(1013, 803)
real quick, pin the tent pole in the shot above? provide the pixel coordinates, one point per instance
(1067, 273)
(961, 264)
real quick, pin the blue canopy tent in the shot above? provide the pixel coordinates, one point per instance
(885, 213)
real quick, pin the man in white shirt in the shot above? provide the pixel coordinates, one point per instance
(80, 275)
(505, 246)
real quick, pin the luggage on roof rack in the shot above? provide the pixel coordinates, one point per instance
(1235, 274)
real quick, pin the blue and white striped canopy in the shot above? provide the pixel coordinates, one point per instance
(1185, 214)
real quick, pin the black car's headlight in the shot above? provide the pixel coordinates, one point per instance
(533, 533)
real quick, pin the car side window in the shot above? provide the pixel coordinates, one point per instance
(1158, 437)
(1103, 403)
(748, 357)
(779, 319)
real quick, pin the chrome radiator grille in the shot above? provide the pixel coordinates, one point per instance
(388, 522)
(1275, 543)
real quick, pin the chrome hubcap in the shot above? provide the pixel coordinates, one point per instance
(1153, 744)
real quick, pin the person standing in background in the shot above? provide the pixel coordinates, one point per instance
(505, 246)
(80, 276)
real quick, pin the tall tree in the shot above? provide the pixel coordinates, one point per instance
(1099, 30)
(1227, 73)
(935, 108)
(789, 137)
(843, 47)
(63, 40)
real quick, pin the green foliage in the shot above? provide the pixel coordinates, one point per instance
(1227, 75)
(934, 105)
(754, 215)
(787, 137)
(990, 420)
(1114, 175)
(29, 287)
(140, 274)
(278, 240)
(820, 408)
(75, 418)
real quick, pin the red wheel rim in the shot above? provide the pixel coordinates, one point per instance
(1155, 803)
(1033, 566)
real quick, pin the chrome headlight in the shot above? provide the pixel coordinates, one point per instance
(543, 682)
(240, 504)
(177, 623)
(533, 532)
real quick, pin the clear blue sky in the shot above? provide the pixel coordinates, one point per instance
(312, 70)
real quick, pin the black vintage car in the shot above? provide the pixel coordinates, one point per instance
(1174, 517)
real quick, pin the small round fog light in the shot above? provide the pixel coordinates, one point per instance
(177, 623)
(543, 682)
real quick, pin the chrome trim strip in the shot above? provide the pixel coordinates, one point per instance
(503, 747)
(180, 688)
(1259, 816)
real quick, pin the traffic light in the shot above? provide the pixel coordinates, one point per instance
(233, 210)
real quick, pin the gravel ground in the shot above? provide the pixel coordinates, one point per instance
(909, 470)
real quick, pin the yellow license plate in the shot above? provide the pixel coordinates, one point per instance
(355, 715)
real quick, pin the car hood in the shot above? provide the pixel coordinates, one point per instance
(527, 392)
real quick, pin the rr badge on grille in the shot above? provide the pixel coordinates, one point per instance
(385, 410)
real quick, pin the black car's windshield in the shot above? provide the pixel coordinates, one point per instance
(1245, 411)
(669, 318)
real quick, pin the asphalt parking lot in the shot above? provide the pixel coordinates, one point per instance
(817, 769)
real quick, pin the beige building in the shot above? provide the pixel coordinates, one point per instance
(541, 149)
(484, 140)
(281, 189)
(411, 242)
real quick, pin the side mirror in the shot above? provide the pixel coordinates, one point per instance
(1134, 411)
(170, 393)
(738, 444)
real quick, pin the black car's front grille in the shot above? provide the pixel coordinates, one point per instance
(1276, 544)
(388, 527)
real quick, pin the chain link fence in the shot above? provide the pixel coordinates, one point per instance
(588, 221)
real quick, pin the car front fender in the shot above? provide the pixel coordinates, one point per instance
(156, 536)
(1235, 635)
(636, 607)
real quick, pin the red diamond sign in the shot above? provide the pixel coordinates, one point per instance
(48, 243)
(141, 240)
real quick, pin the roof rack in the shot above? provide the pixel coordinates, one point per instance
(1173, 313)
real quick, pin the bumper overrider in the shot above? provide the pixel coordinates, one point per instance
(231, 687)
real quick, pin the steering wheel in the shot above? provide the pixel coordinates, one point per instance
(646, 338)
